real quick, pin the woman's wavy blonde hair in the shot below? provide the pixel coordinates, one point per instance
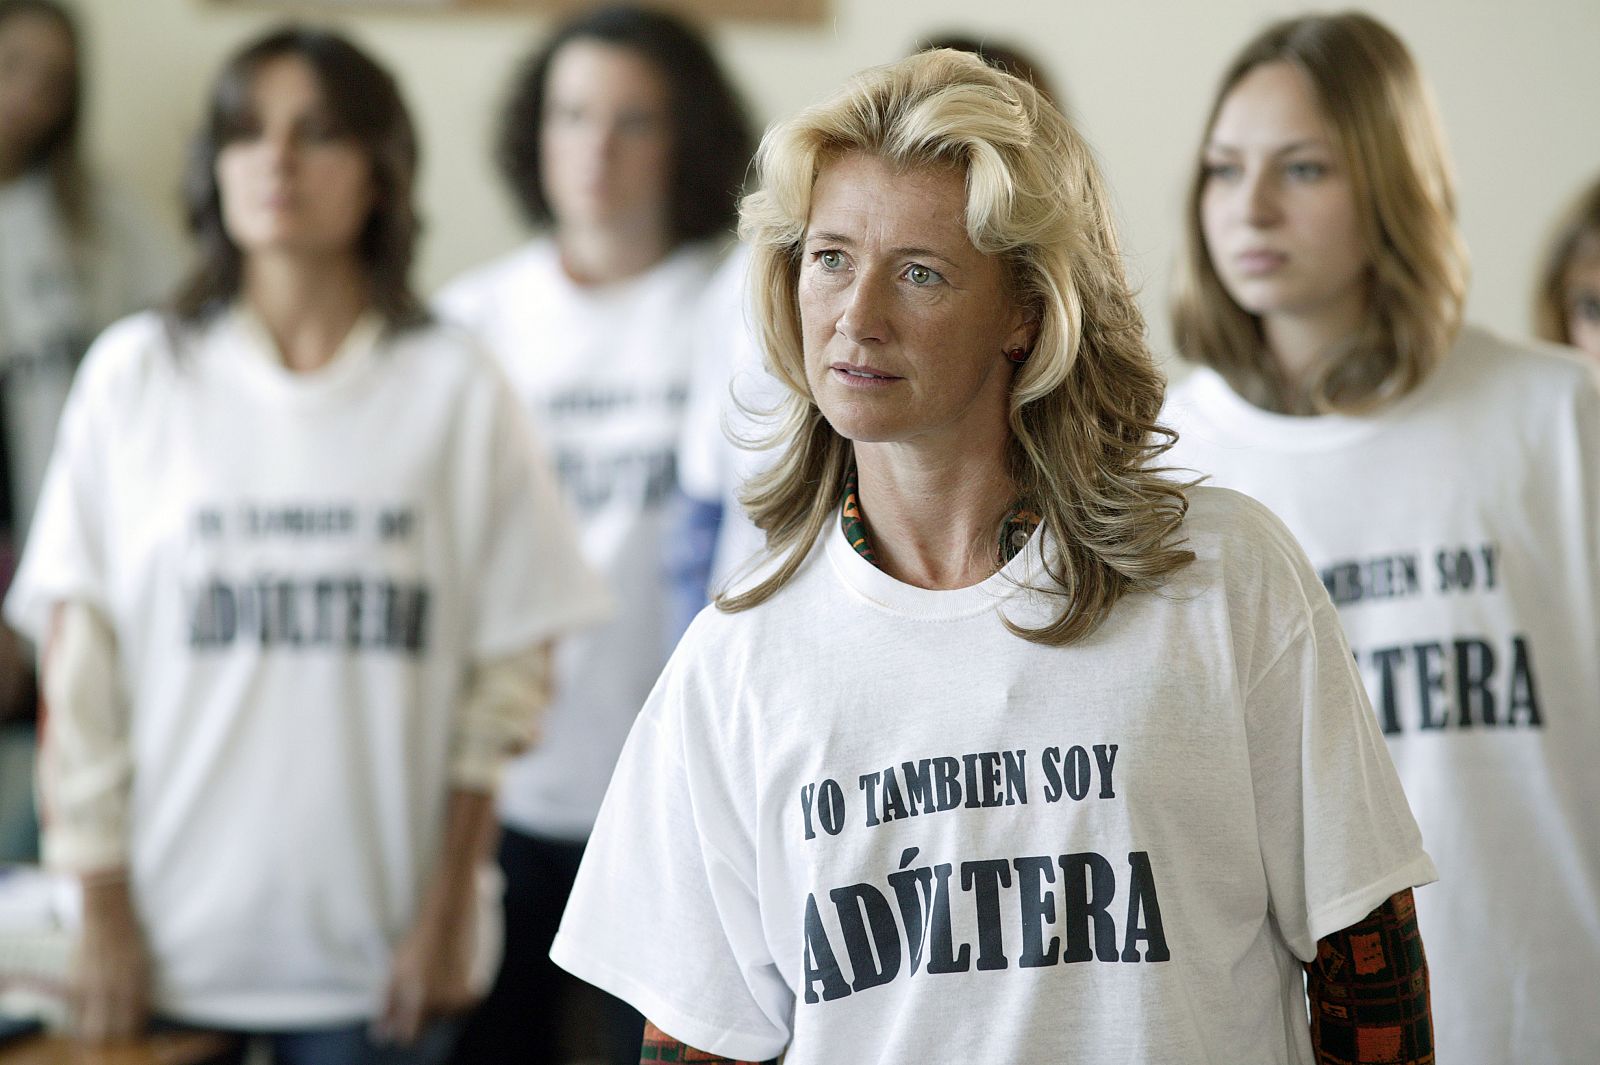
(1578, 228)
(1083, 407)
(1387, 131)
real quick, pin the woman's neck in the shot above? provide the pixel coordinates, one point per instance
(933, 518)
(307, 306)
(604, 255)
(1299, 342)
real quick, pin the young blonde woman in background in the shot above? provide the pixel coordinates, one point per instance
(294, 573)
(1444, 483)
(1567, 302)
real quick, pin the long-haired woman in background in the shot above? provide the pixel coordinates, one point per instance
(626, 146)
(294, 572)
(1443, 482)
(76, 253)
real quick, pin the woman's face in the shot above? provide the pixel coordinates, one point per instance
(37, 70)
(1277, 207)
(905, 324)
(1581, 292)
(605, 150)
(291, 180)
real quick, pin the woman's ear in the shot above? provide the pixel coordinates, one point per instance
(1026, 331)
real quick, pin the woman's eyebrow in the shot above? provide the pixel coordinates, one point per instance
(1222, 148)
(920, 253)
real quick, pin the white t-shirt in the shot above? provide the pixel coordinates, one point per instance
(603, 372)
(866, 822)
(300, 569)
(1459, 533)
(56, 293)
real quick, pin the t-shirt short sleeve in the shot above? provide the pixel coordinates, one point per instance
(687, 947)
(530, 581)
(1337, 835)
(66, 554)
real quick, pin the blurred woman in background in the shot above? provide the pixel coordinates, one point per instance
(75, 254)
(294, 572)
(1567, 303)
(626, 146)
(1443, 482)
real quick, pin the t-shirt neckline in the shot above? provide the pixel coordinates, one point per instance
(1212, 397)
(261, 358)
(885, 592)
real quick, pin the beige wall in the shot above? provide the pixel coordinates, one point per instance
(1519, 86)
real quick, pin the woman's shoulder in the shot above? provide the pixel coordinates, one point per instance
(1237, 538)
(130, 361)
(1222, 512)
(1508, 368)
(132, 347)
(445, 354)
(465, 296)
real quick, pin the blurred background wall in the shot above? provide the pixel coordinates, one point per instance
(1518, 85)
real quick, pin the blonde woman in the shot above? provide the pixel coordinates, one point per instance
(1567, 303)
(1443, 483)
(1016, 751)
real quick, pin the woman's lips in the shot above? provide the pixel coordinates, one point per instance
(862, 376)
(1259, 261)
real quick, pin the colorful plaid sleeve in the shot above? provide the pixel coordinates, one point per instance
(659, 1046)
(1369, 991)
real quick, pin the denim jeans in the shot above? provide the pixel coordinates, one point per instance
(349, 1045)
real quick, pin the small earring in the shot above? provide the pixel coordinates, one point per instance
(1018, 355)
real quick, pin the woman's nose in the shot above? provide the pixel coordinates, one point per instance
(864, 319)
(1261, 205)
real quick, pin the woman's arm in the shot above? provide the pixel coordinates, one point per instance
(1369, 991)
(85, 769)
(496, 719)
(431, 972)
(659, 1046)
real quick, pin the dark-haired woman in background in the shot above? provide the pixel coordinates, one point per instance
(294, 573)
(1444, 483)
(626, 146)
(75, 254)
(1567, 303)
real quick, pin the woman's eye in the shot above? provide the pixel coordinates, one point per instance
(920, 275)
(1221, 171)
(1585, 308)
(636, 123)
(319, 131)
(244, 133)
(831, 260)
(1306, 171)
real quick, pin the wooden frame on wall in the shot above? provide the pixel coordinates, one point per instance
(796, 11)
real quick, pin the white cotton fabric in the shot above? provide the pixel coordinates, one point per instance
(1248, 773)
(1499, 449)
(603, 372)
(300, 570)
(56, 292)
